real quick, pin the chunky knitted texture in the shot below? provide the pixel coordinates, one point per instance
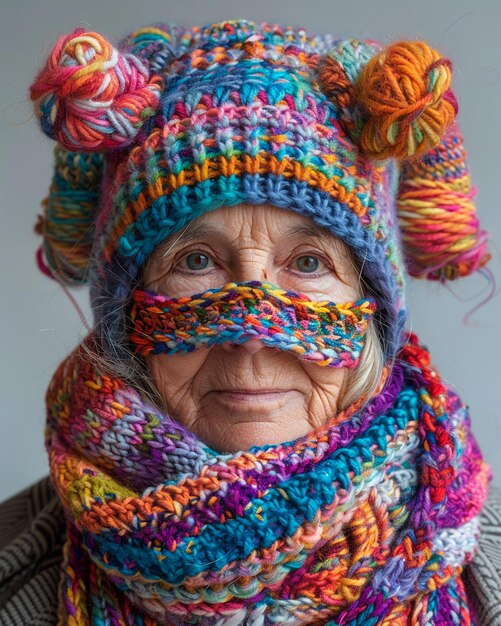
(323, 332)
(439, 224)
(243, 119)
(67, 223)
(369, 519)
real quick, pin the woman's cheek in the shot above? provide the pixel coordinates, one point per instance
(326, 386)
(180, 282)
(173, 374)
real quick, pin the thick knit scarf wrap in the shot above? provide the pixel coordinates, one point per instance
(368, 520)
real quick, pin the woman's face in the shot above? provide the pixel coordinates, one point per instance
(235, 396)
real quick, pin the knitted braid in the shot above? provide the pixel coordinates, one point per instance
(440, 227)
(324, 332)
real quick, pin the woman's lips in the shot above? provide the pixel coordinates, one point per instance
(252, 396)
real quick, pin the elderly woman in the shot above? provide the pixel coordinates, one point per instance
(248, 435)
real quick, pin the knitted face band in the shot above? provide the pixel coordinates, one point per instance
(319, 331)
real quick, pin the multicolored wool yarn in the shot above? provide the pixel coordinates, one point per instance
(369, 519)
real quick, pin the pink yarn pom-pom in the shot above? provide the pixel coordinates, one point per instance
(90, 97)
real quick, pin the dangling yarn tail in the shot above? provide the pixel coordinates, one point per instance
(491, 287)
(42, 266)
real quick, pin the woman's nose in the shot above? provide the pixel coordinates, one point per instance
(251, 269)
(254, 269)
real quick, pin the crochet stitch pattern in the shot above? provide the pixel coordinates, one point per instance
(440, 226)
(368, 519)
(323, 332)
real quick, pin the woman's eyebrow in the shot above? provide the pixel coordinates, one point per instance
(204, 230)
(187, 235)
(312, 230)
(338, 251)
(307, 230)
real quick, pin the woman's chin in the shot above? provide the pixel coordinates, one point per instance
(244, 436)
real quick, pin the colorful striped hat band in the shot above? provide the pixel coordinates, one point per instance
(319, 331)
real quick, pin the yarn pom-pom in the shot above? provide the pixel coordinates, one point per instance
(91, 97)
(441, 234)
(67, 225)
(405, 93)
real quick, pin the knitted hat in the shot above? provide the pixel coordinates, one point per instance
(172, 123)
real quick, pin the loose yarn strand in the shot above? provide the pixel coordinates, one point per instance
(43, 268)
(491, 282)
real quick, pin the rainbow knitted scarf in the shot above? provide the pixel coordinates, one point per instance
(367, 520)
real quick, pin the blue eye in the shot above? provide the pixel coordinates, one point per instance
(197, 261)
(307, 264)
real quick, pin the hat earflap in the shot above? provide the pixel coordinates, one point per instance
(68, 221)
(92, 97)
(394, 101)
(441, 234)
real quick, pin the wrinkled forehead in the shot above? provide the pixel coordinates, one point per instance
(252, 227)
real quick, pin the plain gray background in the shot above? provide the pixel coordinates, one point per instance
(40, 325)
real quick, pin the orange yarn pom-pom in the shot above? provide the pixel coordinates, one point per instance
(405, 93)
(91, 97)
